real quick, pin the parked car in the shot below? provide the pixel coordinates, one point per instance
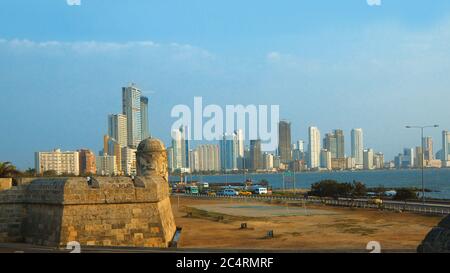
(192, 190)
(245, 193)
(228, 192)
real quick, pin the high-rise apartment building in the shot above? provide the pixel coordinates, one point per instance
(357, 147)
(228, 152)
(255, 155)
(445, 149)
(181, 149)
(87, 164)
(408, 158)
(284, 144)
(314, 148)
(128, 161)
(106, 165)
(57, 161)
(117, 128)
(368, 159)
(419, 157)
(113, 148)
(301, 146)
(334, 143)
(268, 162)
(378, 161)
(330, 144)
(205, 158)
(131, 105)
(340, 143)
(144, 118)
(428, 148)
(325, 159)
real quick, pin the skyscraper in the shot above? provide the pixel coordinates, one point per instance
(314, 148)
(186, 146)
(207, 158)
(113, 148)
(330, 144)
(117, 128)
(255, 155)
(368, 159)
(325, 159)
(240, 143)
(428, 148)
(358, 147)
(340, 143)
(228, 152)
(284, 144)
(408, 158)
(445, 149)
(144, 118)
(240, 148)
(128, 161)
(131, 106)
(334, 143)
(181, 148)
(301, 146)
(268, 162)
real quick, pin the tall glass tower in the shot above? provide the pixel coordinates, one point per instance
(144, 118)
(284, 144)
(358, 147)
(131, 105)
(228, 152)
(314, 148)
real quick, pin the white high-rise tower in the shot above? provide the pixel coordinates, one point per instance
(314, 148)
(131, 104)
(117, 129)
(358, 147)
(445, 149)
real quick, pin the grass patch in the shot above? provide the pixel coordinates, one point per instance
(350, 227)
(215, 216)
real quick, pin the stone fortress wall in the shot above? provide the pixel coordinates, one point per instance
(104, 211)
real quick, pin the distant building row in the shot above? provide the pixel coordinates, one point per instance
(85, 162)
(328, 153)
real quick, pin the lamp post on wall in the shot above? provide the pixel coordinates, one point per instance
(422, 128)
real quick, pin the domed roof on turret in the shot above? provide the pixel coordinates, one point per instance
(151, 145)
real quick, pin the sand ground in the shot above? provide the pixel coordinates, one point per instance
(216, 224)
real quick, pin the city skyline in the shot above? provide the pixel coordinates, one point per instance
(66, 75)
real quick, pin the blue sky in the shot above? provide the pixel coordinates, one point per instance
(332, 64)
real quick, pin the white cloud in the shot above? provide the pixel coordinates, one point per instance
(174, 50)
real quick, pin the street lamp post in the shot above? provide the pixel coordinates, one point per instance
(422, 128)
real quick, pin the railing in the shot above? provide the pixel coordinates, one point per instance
(427, 208)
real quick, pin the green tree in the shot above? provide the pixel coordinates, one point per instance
(7, 170)
(50, 173)
(359, 189)
(405, 194)
(331, 188)
(29, 173)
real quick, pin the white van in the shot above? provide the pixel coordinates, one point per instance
(260, 191)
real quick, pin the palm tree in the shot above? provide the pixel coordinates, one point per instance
(7, 170)
(30, 172)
